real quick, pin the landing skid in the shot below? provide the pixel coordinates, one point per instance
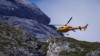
(67, 34)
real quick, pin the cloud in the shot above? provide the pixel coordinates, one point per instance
(82, 11)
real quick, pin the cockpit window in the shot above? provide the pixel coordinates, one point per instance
(62, 27)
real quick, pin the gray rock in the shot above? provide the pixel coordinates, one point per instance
(94, 53)
(71, 47)
(41, 31)
(15, 42)
(23, 9)
(27, 16)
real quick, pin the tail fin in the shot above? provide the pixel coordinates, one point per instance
(85, 27)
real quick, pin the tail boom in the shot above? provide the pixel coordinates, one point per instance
(80, 28)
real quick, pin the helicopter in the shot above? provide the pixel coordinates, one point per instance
(67, 28)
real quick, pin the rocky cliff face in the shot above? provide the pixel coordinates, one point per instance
(16, 42)
(71, 47)
(25, 15)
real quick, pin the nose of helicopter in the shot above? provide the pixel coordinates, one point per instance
(57, 30)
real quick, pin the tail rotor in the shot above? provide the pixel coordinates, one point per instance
(85, 27)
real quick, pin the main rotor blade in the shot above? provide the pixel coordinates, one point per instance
(69, 21)
(56, 24)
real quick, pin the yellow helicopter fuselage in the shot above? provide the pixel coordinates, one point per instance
(66, 28)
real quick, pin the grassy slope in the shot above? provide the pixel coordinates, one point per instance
(88, 46)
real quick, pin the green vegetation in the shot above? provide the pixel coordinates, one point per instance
(4, 43)
(45, 46)
(72, 53)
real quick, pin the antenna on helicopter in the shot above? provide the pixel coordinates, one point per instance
(68, 21)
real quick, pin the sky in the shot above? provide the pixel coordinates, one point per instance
(82, 11)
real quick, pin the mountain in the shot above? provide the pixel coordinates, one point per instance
(23, 9)
(23, 26)
(27, 16)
